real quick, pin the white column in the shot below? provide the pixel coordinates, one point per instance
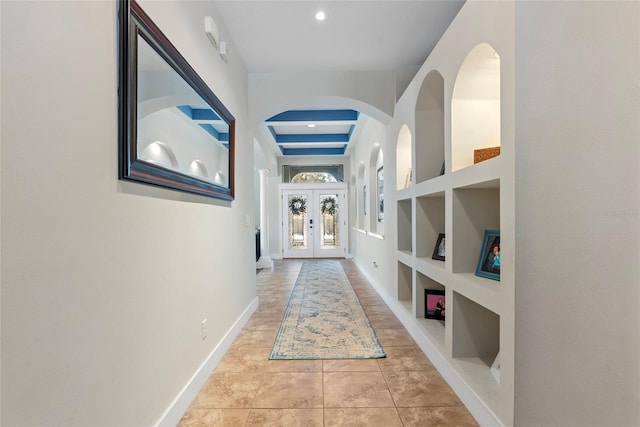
(265, 260)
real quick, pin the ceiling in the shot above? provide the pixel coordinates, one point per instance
(361, 35)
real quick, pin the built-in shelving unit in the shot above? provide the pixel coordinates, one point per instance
(462, 201)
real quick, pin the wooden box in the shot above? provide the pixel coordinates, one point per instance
(483, 154)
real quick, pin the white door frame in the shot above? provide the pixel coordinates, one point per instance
(343, 227)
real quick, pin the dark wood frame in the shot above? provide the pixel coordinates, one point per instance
(435, 249)
(133, 21)
(428, 292)
(488, 241)
(380, 193)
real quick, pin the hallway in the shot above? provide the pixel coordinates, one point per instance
(248, 389)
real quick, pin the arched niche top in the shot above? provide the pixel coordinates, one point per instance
(431, 95)
(376, 159)
(479, 74)
(475, 106)
(404, 176)
(160, 153)
(198, 168)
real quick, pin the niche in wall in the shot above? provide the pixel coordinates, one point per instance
(403, 158)
(475, 106)
(362, 190)
(160, 153)
(429, 127)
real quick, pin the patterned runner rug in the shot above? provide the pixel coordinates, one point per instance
(324, 318)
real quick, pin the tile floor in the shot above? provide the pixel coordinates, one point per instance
(248, 389)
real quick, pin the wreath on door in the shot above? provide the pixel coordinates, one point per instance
(329, 206)
(297, 205)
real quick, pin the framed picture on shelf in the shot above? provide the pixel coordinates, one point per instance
(489, 259)
(434, 304)
(439, 250)
(380, 195)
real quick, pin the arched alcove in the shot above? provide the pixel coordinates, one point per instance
(403, 158)
(376, 184)
(354, 199)
(475, 106)
(160, 153)
(429, 127)
(362, 186)
(198, 169)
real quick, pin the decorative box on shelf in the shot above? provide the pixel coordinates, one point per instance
(483, 154)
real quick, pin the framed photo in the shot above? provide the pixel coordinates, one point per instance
(364, 199)
(439, 250)
(489, 260)
(380, 194)
(434, 304)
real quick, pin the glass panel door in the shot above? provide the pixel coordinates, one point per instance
(314, 223)
(297, 223)
(331, 223)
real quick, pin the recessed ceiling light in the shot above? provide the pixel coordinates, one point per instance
(320, 16)
(311, 125)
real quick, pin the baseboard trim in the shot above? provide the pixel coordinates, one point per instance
(180, 404)
(481, 412)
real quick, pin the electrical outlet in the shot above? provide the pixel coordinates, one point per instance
(204, 329)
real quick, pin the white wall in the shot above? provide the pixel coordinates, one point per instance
(373, 253)
(105, 283)
(578, 210)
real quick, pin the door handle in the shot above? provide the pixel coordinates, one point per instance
(310, 223)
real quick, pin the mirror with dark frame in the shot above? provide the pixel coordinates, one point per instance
(174, 132)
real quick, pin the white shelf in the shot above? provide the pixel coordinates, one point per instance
(432, 268)
(476, 372)
(405, 193)
(485, 292)
(405, 257)
(481, 175)
(433, 186)
(435, 331)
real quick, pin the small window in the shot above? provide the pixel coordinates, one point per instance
(300, 174)
(313, 177)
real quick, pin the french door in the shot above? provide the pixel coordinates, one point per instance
(314, 223)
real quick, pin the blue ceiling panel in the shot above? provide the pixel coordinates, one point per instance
(315, 116)
(313, 151)
(313, 132)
